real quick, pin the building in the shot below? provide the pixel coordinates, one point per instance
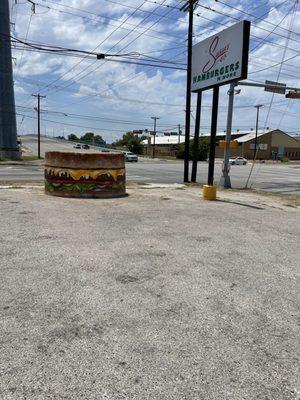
(272, 144)
(164, 145)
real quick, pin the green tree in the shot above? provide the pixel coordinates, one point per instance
(73, 137)
(131, 141)
(92, 138)
(88, 137)
(99, 140)
(203, 149)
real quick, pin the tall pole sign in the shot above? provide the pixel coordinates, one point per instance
(222, 58)
(219, 60)
(8, 126)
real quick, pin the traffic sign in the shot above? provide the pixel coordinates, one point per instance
(138, 132)
(275, 87)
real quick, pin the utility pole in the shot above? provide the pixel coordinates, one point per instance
(154, 135)
(256, 129)
(39, 97)
(8, 125)
(225, 179)
(196, 137)
(255, 144)
(188, 6)
(149, 142)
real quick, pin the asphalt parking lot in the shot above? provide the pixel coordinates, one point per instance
(158, 295)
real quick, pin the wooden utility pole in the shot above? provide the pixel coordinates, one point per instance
(39, 97)
(189, 7)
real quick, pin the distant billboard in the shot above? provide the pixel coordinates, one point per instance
(221, 58)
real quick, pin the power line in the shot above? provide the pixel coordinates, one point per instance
(279, 23)
(254, 16)
(100, 17)
(92, 117)
(97, 47)
(74, 125)
(124, 37)
(69, 52)
(283, 55)
(78, 53)
(231, 17)
(274, 65)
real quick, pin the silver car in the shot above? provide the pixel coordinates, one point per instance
(130, 157)
(237, 161)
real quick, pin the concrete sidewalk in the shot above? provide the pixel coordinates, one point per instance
(156, 296)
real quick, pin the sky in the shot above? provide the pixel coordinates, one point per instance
(110, 98)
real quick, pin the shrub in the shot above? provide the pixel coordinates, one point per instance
(203, 149)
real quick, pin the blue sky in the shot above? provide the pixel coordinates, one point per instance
(112, 98)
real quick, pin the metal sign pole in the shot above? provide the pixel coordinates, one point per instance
(225, 180)
(213, 133)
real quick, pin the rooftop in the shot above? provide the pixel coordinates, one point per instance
(165, 140)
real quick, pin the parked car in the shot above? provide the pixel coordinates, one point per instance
(131, 157)
(237, 161)
(77, 146)
(85, 146)
(105, 150)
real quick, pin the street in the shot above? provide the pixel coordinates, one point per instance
(283, 178)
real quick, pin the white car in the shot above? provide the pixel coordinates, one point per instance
(237, 161)
(130, 157)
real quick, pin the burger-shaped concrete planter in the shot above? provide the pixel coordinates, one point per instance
(88, 175)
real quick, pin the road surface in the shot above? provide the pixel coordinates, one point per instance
(273, 177)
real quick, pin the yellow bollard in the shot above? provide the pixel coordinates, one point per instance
(209, 192)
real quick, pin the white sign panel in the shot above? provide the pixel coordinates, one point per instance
(260, 146)
(222, 58)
